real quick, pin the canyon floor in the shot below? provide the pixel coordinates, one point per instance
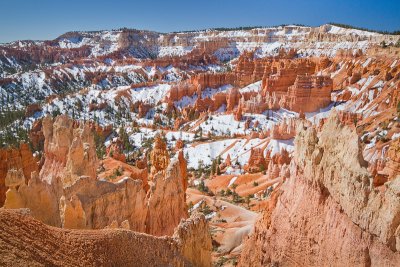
(273, 146)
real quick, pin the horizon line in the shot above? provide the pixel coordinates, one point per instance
(342, 25)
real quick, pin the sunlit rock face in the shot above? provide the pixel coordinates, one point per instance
(159, 157)
(329, 192)
(68, 194)
(18, 160)
(69, 151)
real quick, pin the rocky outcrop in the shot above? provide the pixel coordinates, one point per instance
(239, 113)
(256, 161)
(25, 241)
(194, 239)
(68, 194)
(159, 157)
(212, 80)
(114, 151)
(278, 165)
(91, 204)
(392, 166)
(36, 135)
(232, 99)
(308, 94)
(36, 195)
(284, 72)
(255, 104)
(20, 159)
(285, 130)
(328, 211)
(168, 187)
(286, 83)
(69, 150)
(179, 91)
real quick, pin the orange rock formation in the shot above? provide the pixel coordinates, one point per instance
(16, 159)
(159, 157)
(67, 192)
(256, 161)
(329, 192)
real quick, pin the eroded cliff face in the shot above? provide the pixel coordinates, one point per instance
(283, 82)
(69, 151)
(168, 191)
(27, 242)
(328, 211)
(15, 159)
(68, 194)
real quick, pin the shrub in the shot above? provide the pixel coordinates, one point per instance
(117, 172)
(203, 188)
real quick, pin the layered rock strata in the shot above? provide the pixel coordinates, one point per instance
(328, 211)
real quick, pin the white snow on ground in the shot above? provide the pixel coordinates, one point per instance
(323, 113)
(366, 63)
(232, 181)
(180, 135)
(206, 152)
(272, 48)
(225, 124)
(165, 51)
(254, 87)
(137, 138)
(379, 84)
(372, 143)
(233, 171)
(339, 30)
(209, 92)
(150, 95)
(354, 91)
(367, 83)
(395, 136)
(276, 146)
(359, 106)
(221, 124)
(211, 215)
(238, 149)
(197, 205)
(206, 93)
(185, 101)
(102, 42)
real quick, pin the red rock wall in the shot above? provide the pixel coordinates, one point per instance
(308, 94)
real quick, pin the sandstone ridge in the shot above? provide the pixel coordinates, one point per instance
(25, 241)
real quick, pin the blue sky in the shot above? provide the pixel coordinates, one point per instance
(47, 19)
